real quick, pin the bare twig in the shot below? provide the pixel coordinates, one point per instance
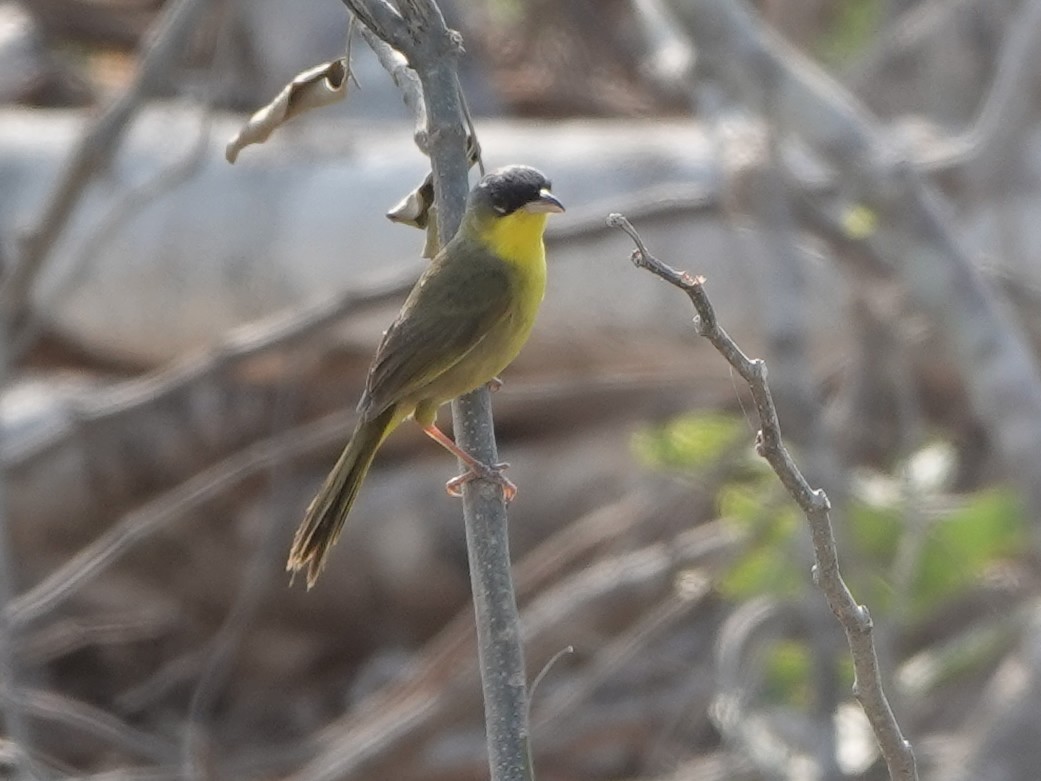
(384, 20)
(854, 618)
(404, 78)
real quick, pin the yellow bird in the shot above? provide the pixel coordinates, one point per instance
(464, 322)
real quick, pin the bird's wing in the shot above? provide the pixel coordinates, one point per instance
(449, 311)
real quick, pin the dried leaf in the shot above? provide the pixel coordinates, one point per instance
(414, 208)
(319, 86)
(417, 208)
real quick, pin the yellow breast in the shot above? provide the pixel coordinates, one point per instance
(517, 240)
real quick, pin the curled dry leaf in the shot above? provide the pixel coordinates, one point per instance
(414, 208)
(319, 86)
(418, 209)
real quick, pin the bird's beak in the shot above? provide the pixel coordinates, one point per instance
(546, 203)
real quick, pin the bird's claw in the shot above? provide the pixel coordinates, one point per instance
(494, 384)
(491, 472)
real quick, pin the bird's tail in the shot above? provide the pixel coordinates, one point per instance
(328, 511)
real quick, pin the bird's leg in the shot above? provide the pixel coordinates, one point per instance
(482, 471)
(494, 384)
(477, 469)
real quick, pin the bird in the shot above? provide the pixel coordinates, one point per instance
(465, 320)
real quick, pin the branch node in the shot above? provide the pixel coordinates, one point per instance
(760, 444)
(819, 500)
(863, 616)
(454, 44)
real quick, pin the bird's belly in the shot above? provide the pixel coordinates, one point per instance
(493, 354)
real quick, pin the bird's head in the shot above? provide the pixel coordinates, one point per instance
(514, 189)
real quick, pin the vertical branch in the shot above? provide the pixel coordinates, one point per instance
(433, 52)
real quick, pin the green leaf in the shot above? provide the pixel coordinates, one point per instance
(767, 567)
(787, 674)
(688, 442)
(875, 530)
(743, 502)
(854, 23)
(961, 547)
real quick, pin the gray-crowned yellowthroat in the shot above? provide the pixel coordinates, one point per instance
(465, 320)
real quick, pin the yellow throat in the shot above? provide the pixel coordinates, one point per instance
(517, 239)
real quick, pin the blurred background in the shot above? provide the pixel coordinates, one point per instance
(184, 340)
